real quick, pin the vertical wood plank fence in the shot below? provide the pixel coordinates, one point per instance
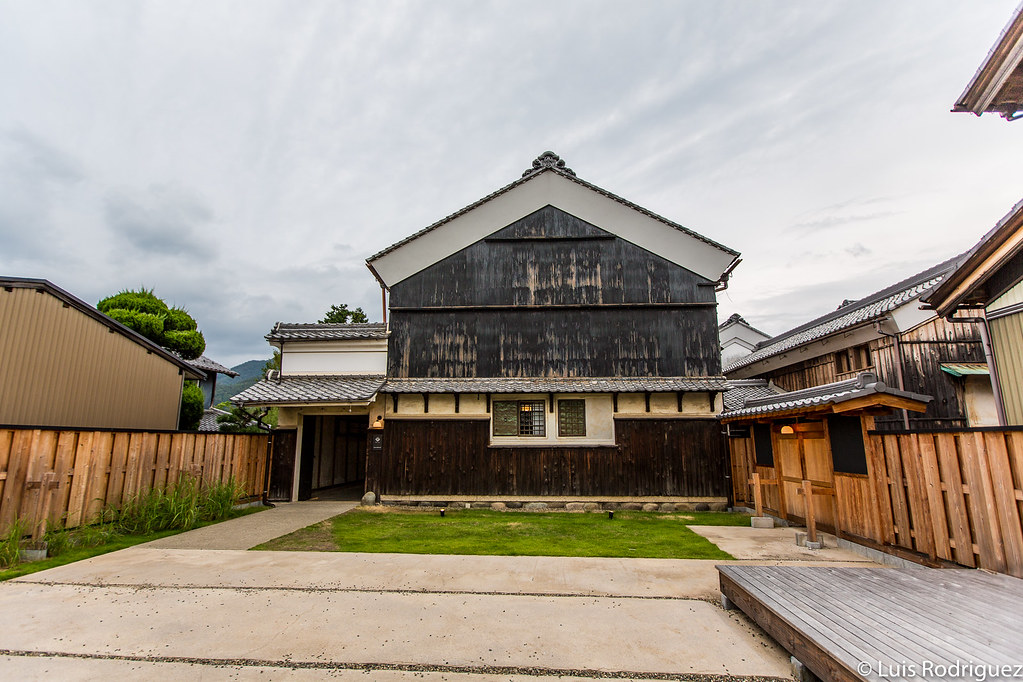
(950, 495)
(68, 477)
(956, 496)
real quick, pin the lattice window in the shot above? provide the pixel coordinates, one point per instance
(519, 418)
(571, 417)
(531, 418)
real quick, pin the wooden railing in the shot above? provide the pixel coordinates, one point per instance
(68, 477)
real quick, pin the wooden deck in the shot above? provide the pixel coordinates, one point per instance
(904, 623)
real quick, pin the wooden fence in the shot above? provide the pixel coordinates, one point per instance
(956, 495)
(53, 477)
(950, 495)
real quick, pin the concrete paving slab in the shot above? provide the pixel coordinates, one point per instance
(775, 544)
(468, 631)
(254, 529)
(650, 578)
(75, 669)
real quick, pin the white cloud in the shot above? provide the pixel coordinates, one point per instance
(291, 140)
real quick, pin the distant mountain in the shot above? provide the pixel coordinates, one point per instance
(249, 372)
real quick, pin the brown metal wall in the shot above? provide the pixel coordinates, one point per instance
(59, 367)
(1007, 339)
(677, 457)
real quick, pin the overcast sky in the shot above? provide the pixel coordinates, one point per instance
(244, 158)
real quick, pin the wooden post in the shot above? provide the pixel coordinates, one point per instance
(758, 495)
(811, 523)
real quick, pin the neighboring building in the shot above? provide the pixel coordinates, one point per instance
(549, 339)
(738, 339)
(997, 86)
(208, 422)
(886, 333)
(209, 385)
(63, 363)
(988, 284)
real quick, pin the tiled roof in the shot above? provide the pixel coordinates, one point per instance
(555, 385)
(740, 390)
(548, 161)
(867, 309)
(208, 422)
(736, 318)
(864, 384)
(291, 331)
(311, 389)
(209, 366)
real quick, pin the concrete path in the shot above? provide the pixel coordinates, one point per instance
(158, 612)
(248, 531)
(765, 545)
(165, 613)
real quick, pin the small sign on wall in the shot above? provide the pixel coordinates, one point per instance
(376, 440)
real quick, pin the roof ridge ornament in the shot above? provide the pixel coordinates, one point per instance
(548, 160)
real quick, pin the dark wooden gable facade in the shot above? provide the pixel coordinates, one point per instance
(552, 295)
(552, 339)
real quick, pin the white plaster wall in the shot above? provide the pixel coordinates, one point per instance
(334, 357)
(666, 404)
(980, 401)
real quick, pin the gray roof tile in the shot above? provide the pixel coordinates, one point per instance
(554, 385)
(210, 366)
(867, 309)
(739, 390)
(311, 389)
(293, 331)
(864, 384)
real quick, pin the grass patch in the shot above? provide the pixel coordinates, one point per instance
(69, 546)
(478, 531)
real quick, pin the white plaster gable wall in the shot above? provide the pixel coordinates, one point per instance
(352, 357)
(549, 188)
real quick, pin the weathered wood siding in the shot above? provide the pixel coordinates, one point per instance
(552, 295)
(676, 457)
(923, 350)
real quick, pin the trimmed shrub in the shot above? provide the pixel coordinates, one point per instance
(147, 324)
(178, 320)
(191, 407)
(142, 300)
(187, 344)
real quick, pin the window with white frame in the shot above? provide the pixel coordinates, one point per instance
(519, 418)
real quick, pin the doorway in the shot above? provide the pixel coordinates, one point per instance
(333, 456)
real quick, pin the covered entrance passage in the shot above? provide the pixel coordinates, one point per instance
(333, 455)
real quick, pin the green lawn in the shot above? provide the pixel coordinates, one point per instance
(479, 531)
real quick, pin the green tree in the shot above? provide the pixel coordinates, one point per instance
(170, 327)
(191, 407)
(340, 314)
(273, 363)
(242, 421)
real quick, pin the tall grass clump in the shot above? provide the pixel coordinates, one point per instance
(10, 543)
(180, 506)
